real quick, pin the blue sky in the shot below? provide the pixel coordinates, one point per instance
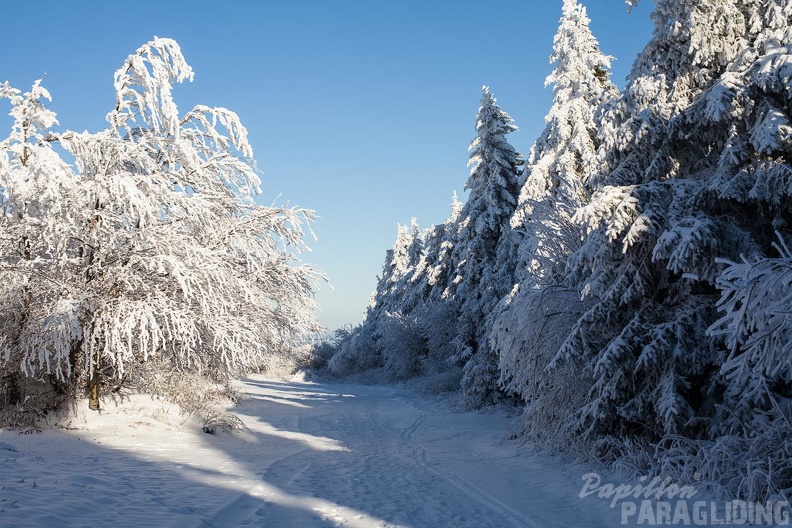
(360, 110)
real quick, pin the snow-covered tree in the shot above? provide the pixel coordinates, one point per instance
(748, 114)
(431, 276)
(757, 330)
(534, 320)
(493, 185)
(557, 169)
(440, 246)
(648, 259)
(400, 266)
(151, 248)
(33, 181)
(692, 44)
(687, 150)
(563, 155)
(400, 344)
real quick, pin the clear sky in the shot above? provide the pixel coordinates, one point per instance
(359, 110)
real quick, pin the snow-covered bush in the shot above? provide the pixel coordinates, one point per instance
(527, 335)
(358, 352)
(401, 345)
(479, 381)
(205, 400)
(319, 354)
(436, 322)
(755, 468)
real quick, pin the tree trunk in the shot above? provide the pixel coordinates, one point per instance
(93, 387)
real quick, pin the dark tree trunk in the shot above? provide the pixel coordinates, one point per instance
(93, 387)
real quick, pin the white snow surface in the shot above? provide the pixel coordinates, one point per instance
(313, 455)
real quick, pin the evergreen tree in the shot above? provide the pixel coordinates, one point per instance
(535, 318)
(560, 160)
(493, 186)
(440, 250)
(648, 262)
(400, 266)
(748, 116)
(430, 279)
(411, 285)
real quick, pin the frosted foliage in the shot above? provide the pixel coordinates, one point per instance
(440, 264)
(493, 180)
(542, 236)
(750, 108)
(479, 386)
(401, 254)
(561, 157)
(401, 273)
(430, 278)
(755, 325)
(692, 171)
(556, 172)
(437, 324)
(648, 265)
(493, 189)
(357, 353)
(617, 211)
(401, 345)
(143, 88)
(689, 246)
(528, 335)
(482, 222)
(647, 262)
(151, 246)
(692, 45)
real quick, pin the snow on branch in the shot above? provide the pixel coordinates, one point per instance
(756, 324)
(143, 88)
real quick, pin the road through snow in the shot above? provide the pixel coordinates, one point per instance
(314, 455)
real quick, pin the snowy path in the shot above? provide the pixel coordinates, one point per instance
(315, 455)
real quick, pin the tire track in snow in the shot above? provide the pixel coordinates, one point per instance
(410, 431)
(421, 457)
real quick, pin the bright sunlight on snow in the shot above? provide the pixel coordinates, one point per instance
(311, 455)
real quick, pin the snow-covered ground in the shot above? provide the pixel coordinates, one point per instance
(314, 455)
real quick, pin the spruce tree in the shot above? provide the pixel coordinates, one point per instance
(533, 320)
(556, 171)
(493, 186)
(654, 232)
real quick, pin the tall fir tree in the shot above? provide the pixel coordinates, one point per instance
(556, 171)
(400, 263)
(493, 185)
(747, 117)
(432, 275)
(543, 235)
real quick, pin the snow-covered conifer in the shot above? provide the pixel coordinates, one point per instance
(493, 186)
(563, 156)
(440, 249)
(648, 260)
(400, 265)
(565, 152)
(534, 319)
